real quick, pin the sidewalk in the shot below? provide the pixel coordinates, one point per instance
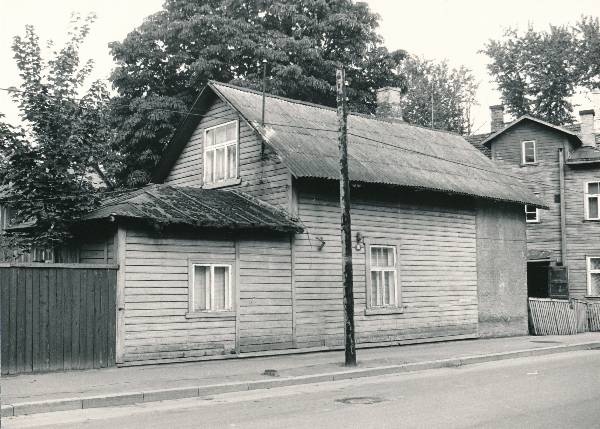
(38, 393)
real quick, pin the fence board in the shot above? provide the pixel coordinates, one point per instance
(563, 317)
(57, 317)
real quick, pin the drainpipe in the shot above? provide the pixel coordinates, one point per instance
(563, 209)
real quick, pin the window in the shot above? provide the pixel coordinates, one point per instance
(210, 288)
(593, 276)
(382, 282)
(592, 200)
(221, 153)
(528, 152)
(532, 214)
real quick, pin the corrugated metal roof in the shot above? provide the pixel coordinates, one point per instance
(304, 135)
(202, 208)
(584, 155)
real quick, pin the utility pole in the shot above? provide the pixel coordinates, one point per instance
(432, 104)
(264, 91)
(342, 116)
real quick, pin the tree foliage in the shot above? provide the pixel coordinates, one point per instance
(449, 92)
(47, 162)
(538, 71)
(162, 65)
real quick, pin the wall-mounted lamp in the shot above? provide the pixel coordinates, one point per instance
(360, 241)
(321, 242)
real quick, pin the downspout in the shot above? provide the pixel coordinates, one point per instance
(563, 209)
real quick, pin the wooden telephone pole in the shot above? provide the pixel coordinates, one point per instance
(342, 116)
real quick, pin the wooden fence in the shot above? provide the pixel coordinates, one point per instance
(57, 317)
(563, 317)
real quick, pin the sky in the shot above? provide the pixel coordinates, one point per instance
(452, 30)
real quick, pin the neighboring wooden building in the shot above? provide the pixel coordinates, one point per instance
(562, 165)
(439, 236)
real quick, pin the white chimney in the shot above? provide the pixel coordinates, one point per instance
(587, 127)
(389, 103)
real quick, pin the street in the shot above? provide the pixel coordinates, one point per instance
(558, 391)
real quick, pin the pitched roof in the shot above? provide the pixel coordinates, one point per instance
(304, 136)
(201, 208)
(564, 130)
(476, 139)
(584, 155)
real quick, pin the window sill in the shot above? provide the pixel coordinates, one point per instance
(383, 310)
(211, 315)
(533, 221)
(222, 184)
(529, 164)
(594, 297)
(591, 220)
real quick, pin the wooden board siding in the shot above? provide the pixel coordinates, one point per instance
(438, 273)
(262, 175)
(265, 309)
(542, 178)
(583, 236)
(156, 298)
(97, 250)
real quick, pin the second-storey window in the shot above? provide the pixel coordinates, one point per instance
(221, 153)
(383, 281)
(532, 214)
(528, 152)
(211, 288)
(592, 200)
(593, 276)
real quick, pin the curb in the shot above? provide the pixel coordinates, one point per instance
(129, 398)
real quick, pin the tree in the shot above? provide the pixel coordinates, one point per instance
(162, 65)
(48, 160)
(536, 72)
(450, 92)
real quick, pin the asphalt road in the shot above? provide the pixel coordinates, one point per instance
(558, 391)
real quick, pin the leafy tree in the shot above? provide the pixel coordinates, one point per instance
(48, 160)
(536, 72)
(162, 65)
(450, 92)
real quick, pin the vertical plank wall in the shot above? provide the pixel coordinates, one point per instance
(262, 175)
(438, 271)
(57, 318)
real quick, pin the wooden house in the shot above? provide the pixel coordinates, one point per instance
(562, 166)
(236, 249)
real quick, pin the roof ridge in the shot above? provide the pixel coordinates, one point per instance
(321, 106)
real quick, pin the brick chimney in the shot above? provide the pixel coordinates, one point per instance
(497, 117)
(587, 127)
(388, 103)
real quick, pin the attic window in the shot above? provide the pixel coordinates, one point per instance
(221, 153)
(532, 214)
(529, 155)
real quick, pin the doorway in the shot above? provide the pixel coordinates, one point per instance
(537, 279)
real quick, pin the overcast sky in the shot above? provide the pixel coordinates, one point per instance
(454, 30)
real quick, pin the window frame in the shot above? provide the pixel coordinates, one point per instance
(397, 307)
(205, 149)
(537, 215)
(589, 272)
(586, 199)
(523, 156)
(230, 295)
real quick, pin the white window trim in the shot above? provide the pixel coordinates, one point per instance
(590, 272)
(229, 305)
(386, 309)
(205, 149)
(537, 215)
(586, 200)
(523, 152)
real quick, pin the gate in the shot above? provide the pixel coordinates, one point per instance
(563, 317)
(57, 316)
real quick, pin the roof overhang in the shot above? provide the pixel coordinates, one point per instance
(571, 134)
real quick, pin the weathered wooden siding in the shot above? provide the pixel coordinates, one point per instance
(438, 273)
(583, 236)
(265, 309)
(99, 250)
(156, 299)
(262, 175)
(156, 296)
(543, 178)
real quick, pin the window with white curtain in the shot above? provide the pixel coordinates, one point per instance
(382, 281)
(221, 153)
(592, 200)
(211, 288)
